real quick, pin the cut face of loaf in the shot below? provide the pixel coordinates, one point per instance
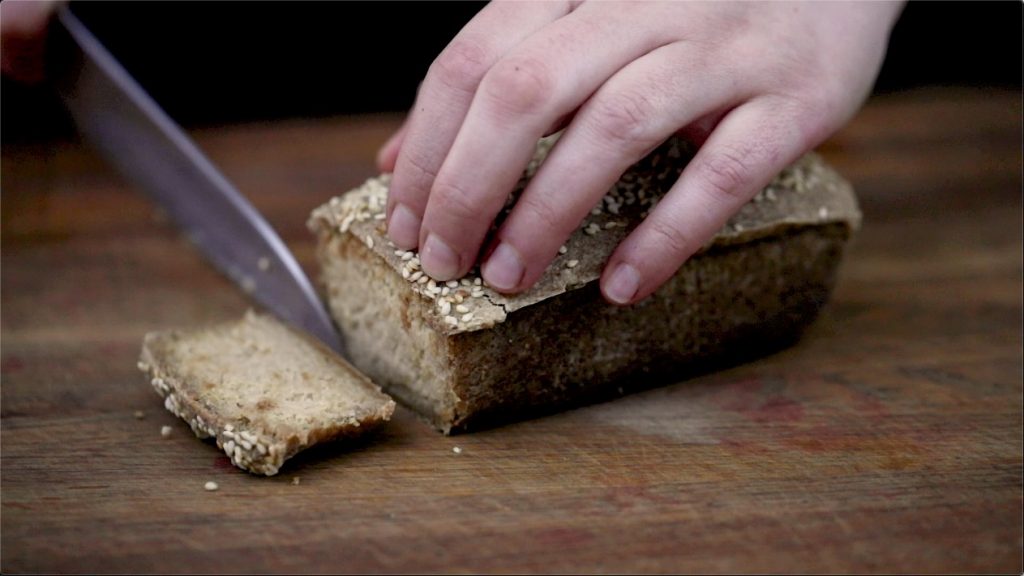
(262, 390)
(464, 355)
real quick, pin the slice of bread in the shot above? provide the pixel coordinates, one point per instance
(261, 389)
(464, 355)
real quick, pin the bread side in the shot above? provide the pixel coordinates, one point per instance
(262, 390)
(464, 355)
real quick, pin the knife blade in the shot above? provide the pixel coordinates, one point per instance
(130, 130)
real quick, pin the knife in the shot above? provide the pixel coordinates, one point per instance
(137, 137)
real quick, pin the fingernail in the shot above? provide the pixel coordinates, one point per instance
(623, 284)
(404, 227)
(504, 269)
(438, 259)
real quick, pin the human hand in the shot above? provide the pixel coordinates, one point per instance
(23, 25)
(755, 84)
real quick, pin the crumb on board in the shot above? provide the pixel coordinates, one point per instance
(457, 450)
(210, 486)
(296, 481)
(165, 431)
(139, 414)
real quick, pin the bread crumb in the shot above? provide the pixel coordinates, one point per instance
(457, 450)
(572, 263)
(165, 431)
(248, 284)
(296, 481)
(210, 486)
(139, 414)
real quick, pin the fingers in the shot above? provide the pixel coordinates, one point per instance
(750, 145)
(443, 100)
(23, 26)
(637, 109)
(388, 153)
(547, 76)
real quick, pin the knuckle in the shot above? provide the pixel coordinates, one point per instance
(461, 65)
(542, 214)
(519, 86)
(624, 119)
(726, 171)
(668, 238)
(455, 201)
(415, 172)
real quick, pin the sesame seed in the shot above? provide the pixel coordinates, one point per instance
(139, 414)
(165, 431)
(459, 298)
(415, 276)
(466, 282)
(456, 449)
(296, 481)
(399, 253)
(405, 273)
(823, 212)
(369, 241)
(406, 256)
(423, 279)
(591, 229)
(143, 366)
(477, 282)
(263, 263)
(451, 320)
(261, 449)
(229, 447)
(210, 486)
(467, 316)
(596, 211)
(245, 444)
(610, 225)
(563, 249)
(572, 263)
(452, 283)
(462, 308)
(445, 307)
(228, 427)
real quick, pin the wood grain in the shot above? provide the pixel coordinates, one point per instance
(887, 440)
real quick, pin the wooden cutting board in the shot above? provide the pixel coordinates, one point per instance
(887, 440)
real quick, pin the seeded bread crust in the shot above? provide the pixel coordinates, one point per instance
(466, 356)
(247, 414)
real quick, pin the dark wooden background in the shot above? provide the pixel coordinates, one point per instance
(888, 440)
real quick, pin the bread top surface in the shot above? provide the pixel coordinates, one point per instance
(260, 372)
(807, 193)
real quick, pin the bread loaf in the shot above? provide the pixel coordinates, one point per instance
(464, 355)
(262, 390)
